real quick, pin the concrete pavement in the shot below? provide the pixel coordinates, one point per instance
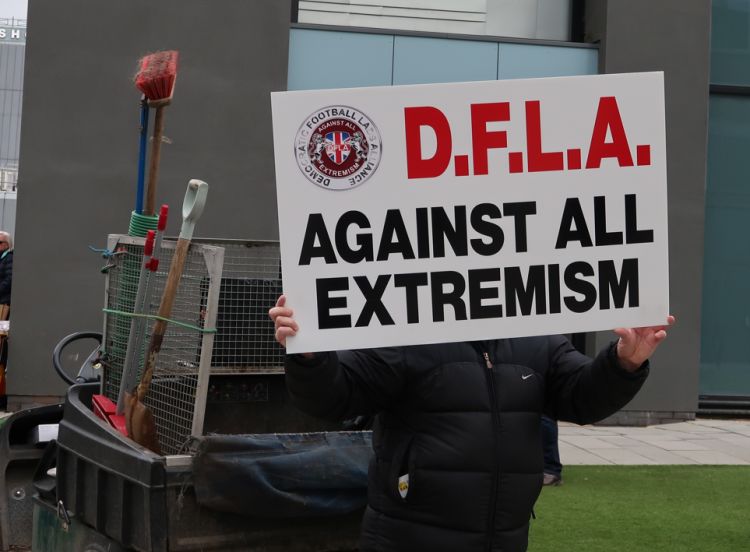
(703, 441)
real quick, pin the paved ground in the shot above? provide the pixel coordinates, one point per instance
(704, 441)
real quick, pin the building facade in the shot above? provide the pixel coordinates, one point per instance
(219, 127)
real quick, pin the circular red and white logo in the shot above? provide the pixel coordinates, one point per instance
(337, 148)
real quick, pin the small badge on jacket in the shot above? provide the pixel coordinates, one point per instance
(403, 485)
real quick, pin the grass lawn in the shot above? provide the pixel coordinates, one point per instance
(645, 509)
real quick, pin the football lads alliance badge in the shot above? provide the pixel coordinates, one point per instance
(403, 485)
(338, 148)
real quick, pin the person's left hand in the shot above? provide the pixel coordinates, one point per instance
(636, 345)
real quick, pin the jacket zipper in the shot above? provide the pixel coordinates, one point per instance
(496, 432)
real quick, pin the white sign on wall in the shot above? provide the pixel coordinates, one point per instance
(466, 211)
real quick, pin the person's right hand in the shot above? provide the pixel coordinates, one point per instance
(283, 320)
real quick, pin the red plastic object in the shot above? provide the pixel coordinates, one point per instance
(148, 248)
(161, 225)
(157, 75)
(106, 410)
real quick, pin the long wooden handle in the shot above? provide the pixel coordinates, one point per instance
(149, 208)
(165, 310)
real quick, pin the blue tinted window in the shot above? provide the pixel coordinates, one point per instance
(420, 60)
(730, 42)
(725, 343)
(339, 59)
(331, 59)
(518, 61)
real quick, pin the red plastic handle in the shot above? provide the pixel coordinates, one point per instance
(162, 224)
(148, 248)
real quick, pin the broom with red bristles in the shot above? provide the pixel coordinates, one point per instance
(156, 79)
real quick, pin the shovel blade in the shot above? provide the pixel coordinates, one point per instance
(140, 423)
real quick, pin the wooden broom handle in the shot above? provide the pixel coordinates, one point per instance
(192, 207)
(149, 208)
(165, 310)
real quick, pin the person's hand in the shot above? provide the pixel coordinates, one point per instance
(283, 320)
(636, 345)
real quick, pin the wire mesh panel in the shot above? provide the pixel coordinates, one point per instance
(177, 393)
(250, 285)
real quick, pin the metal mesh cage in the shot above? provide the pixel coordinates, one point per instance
(177, 393)
(250, 283)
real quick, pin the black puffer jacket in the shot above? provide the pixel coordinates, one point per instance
(463, 421)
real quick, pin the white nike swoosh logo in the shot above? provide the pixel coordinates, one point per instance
(527, 376)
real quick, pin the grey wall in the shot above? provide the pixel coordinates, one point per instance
(79, 146)
(671, 36)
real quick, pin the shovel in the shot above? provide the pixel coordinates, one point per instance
(139, 420)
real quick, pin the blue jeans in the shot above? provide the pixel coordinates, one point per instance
(552, 463)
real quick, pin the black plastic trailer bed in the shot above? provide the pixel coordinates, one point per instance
(266, 491)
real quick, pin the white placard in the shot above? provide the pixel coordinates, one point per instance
(466, 211)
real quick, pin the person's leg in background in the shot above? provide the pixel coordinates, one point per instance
(3, 361)
(552, 464)
(4, 315)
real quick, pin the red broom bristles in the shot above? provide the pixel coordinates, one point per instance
(157, 75)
